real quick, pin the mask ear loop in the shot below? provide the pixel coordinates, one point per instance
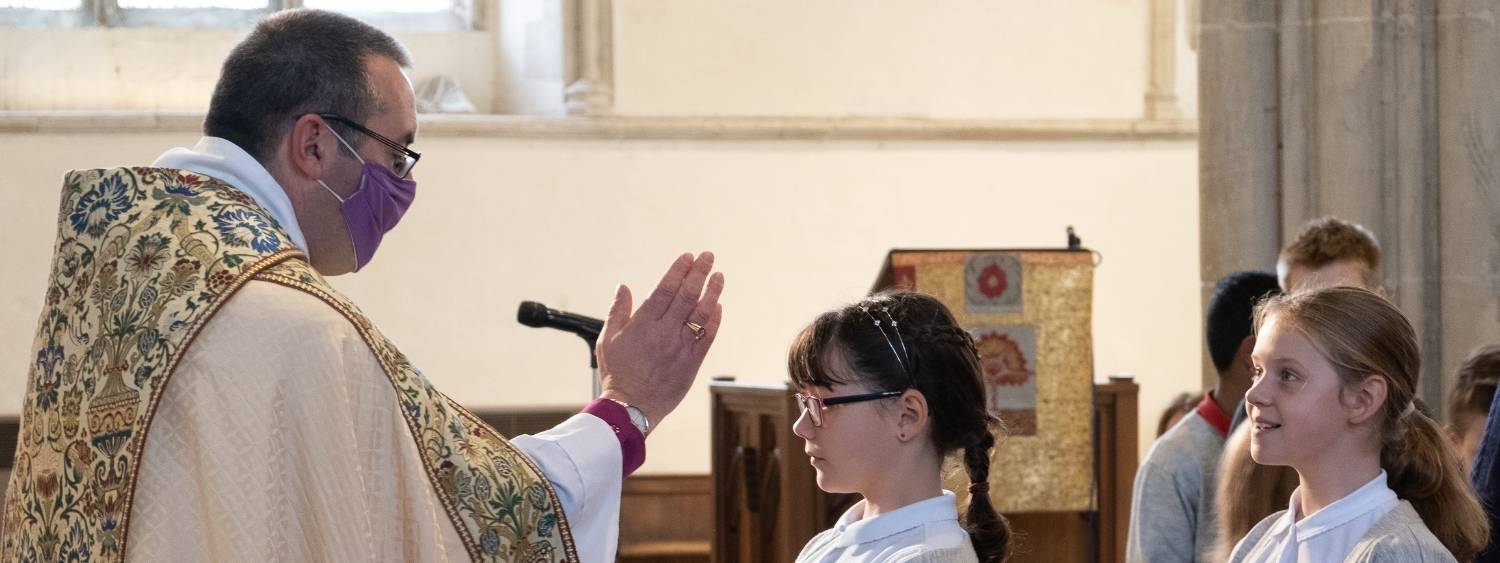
(352, 248)
(330, 191)
(342, 201)
(346, 144)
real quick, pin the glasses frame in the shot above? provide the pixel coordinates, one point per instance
(825, 403)
(411, 156)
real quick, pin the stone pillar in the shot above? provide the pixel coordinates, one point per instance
(1237, 169)
(588, 42)
(1358, 127)
(1468, 133)
(1383, 114)
(1161, 90)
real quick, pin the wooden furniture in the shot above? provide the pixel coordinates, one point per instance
(666, 519)
(767, 504)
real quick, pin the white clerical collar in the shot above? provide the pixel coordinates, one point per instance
(222, 160)
(1370, 496)
(854, 529)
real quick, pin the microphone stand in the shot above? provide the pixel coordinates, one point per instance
(537, 315)
(594, 369)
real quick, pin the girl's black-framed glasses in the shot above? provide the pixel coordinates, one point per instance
(814, 406)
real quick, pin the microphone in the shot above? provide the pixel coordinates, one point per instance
(537, 315)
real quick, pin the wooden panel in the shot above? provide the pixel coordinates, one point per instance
(1050, 537)
(666, 518)
(10, 432)
(767, 504)
(1115, 413)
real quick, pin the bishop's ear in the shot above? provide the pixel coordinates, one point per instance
(309, 152)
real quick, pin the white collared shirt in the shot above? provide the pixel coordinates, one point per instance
(1328, 534)
(918, 530)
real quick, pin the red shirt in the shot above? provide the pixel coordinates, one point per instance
(1211, 413)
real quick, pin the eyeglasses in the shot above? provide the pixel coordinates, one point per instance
(814, 406)
(408, 158)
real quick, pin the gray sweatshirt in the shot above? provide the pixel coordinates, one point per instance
(1172, 506)
(1398, 537)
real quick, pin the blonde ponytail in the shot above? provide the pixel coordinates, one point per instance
(1422, 468)
(1362, 335)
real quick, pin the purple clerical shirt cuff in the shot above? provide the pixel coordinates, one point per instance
(632, 443)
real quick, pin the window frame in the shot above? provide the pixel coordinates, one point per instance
(83, 16)
(463, 16)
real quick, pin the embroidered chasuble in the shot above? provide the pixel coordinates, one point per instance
(145, 258)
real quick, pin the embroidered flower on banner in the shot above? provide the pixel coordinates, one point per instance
(1003, 361)
(240, 227)
(100, 206)
(992, 281)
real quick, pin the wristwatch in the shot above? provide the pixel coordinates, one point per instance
(637, 417)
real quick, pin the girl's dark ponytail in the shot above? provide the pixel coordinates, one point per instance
(988, 530)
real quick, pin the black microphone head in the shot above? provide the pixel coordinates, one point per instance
(532, 314)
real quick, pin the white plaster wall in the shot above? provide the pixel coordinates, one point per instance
(798, 226)
(961, 58)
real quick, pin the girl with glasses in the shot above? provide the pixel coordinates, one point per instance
(889, 386)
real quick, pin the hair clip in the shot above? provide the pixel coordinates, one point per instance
(895, 327)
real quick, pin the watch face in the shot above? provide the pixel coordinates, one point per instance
(639, 419)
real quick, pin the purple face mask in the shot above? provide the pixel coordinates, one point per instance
(375, 208)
